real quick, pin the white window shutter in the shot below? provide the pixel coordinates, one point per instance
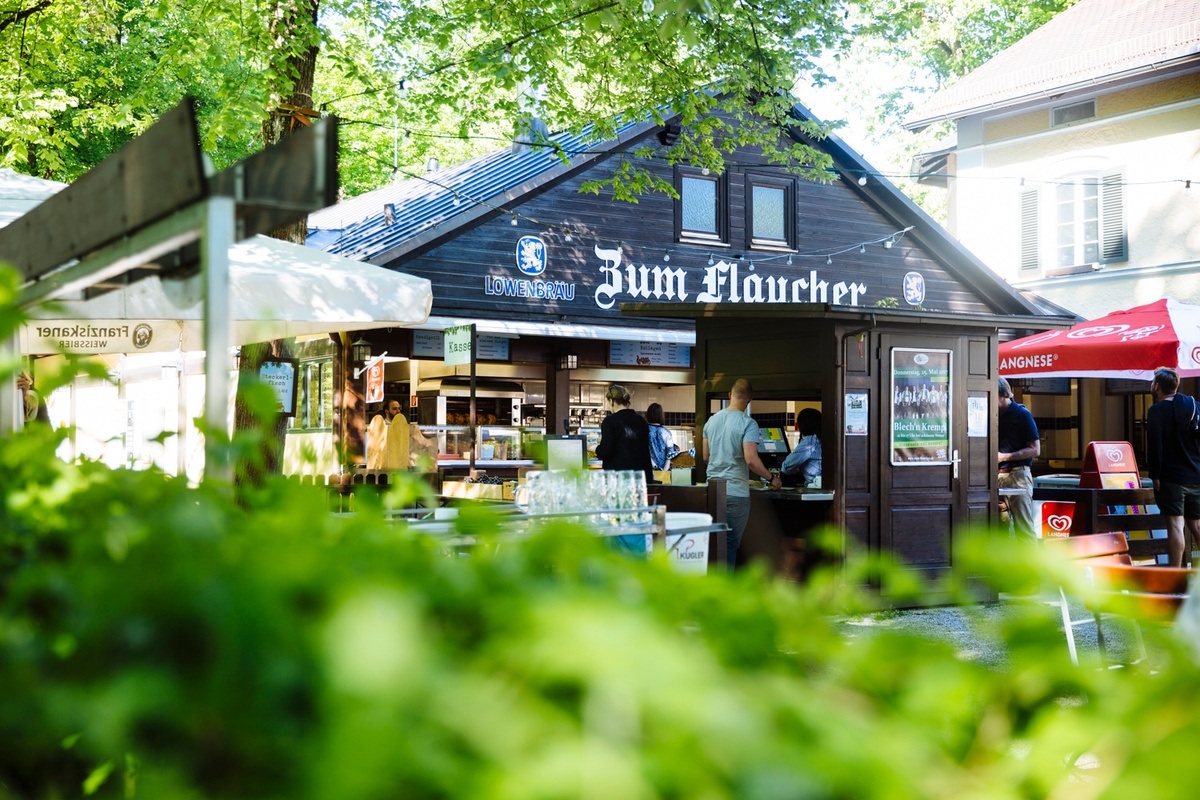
(1030, 230)
(1113, 241)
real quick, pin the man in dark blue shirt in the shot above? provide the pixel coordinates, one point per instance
(1019, 444)
(1173, 461)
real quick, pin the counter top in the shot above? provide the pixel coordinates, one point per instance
(462, 462)
(807, 495)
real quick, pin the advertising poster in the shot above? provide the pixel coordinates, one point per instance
(921, 406)
(856, 413)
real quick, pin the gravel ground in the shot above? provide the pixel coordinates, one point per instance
(960, 626)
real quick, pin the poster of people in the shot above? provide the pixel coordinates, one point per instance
(920, 406)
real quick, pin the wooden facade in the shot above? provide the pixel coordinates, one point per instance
(909, 511)
(469, 266)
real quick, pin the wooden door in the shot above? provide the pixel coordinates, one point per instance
(924, 461)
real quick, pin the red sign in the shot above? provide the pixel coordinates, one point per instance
(1057, 517)
(1109, 465)
(374, 391)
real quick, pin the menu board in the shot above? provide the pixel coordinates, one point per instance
(429, 344)
(649, 354)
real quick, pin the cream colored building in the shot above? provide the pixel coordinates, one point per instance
(1076, 150)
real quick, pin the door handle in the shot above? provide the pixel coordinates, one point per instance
(955, 461)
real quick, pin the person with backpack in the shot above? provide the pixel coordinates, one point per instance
(1173, 462)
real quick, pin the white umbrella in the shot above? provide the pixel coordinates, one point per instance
(277, 290)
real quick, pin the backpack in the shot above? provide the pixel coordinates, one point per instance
(1187, 418)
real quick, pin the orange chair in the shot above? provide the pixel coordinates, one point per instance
(1146, 593)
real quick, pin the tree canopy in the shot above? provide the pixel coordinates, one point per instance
(411, 80)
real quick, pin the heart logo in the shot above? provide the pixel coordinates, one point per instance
(1115, 456)
(1059, 522)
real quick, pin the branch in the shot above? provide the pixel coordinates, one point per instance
(15, 17)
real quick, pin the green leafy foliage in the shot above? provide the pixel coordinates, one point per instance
(409, 80)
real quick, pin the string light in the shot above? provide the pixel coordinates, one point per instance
(862, 180)
(887, 241)
(1187, 186)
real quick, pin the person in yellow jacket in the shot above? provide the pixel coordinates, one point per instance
(388, 439)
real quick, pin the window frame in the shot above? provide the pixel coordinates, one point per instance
(1038, 222)
(688, 235)
(788, 185)
(301, 422)
(1056, 110)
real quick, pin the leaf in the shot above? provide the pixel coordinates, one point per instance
(97, 778)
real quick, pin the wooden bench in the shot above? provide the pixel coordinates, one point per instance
(1140, 593)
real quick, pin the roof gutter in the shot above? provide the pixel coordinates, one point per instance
(920, 124)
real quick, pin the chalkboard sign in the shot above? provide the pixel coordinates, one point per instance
(281, 377)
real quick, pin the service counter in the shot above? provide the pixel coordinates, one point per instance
(780, 526)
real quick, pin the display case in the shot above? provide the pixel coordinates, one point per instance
(453, 441)
(499, 443)
(593, 440)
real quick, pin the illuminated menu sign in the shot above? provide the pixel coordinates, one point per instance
(649, 354)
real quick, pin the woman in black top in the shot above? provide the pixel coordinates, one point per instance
(624, 435)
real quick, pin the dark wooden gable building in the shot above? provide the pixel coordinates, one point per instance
(837, 293)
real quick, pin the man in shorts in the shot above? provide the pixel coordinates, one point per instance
(1173, 461)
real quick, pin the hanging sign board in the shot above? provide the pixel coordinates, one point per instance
(373, 392)
(456, 346)
(1109, 465)
(431, 344)
(649, 354)
(281, 377)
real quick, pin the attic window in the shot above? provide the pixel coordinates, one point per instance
(1065, 115)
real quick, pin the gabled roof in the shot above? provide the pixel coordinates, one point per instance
(955, 258)
(424, 211)
(1092, 43)
(424, 208)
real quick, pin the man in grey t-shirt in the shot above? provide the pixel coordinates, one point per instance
(731, 440)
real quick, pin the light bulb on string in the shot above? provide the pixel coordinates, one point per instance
(789, 261)
(828, 261)
(506, 57)
(666, 255)
(648, 6)
(1187, 187)
(862, 180)
(710, 259)
(889, 243)
(457, 201)
(862, 248)
(514, 220)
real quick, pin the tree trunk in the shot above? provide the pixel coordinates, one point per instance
(300, 65)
